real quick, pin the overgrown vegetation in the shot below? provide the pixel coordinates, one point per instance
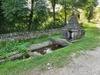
(21, 45)
(58, 58)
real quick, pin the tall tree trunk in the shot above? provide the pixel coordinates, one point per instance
(53, 5)
(2, 19)
(31, 16)
(65, 14)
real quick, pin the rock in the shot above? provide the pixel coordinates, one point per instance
(32, 54)
(17, 56)
(49, 66)
(27, 35)
(2, 61)
(2, 57)
(48, 50)
(12, 53)
(58, 41)
(40, 45)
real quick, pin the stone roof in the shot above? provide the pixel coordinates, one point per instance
(73, 23)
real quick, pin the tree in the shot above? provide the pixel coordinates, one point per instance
(53, 3)
(66, 5)
(38, 12)
(31, 15)
(22, 15)
(41, 13)
(89, 7)
(15, 12)
(16, 15)
(2, 19)
(96, 16)
(13, 8)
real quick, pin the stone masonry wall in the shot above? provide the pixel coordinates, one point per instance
(28, 35)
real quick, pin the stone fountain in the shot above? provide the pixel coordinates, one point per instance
(73, 30)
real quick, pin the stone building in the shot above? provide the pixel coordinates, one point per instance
(73, 30)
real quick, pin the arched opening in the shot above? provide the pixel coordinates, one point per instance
(70, 35)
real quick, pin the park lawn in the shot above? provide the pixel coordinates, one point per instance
(58, 58)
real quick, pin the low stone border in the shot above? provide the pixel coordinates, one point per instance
(28, 35)
(34, 49)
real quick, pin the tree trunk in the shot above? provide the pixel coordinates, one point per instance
(65, 14)
(53, 6)
(2, 19)
(31, 16)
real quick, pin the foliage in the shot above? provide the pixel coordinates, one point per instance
(14, 9)
(41, 14)
(86, 5)
(53, 3)
(96, 15)
(14, 13)
(17, 16)
(89, 7)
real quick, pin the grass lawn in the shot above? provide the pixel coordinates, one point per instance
(58, 58)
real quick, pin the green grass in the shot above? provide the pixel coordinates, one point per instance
(58, 58)
(21, 45)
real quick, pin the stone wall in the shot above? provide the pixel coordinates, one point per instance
(28, 35)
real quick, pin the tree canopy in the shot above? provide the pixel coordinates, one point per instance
(19, 15)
